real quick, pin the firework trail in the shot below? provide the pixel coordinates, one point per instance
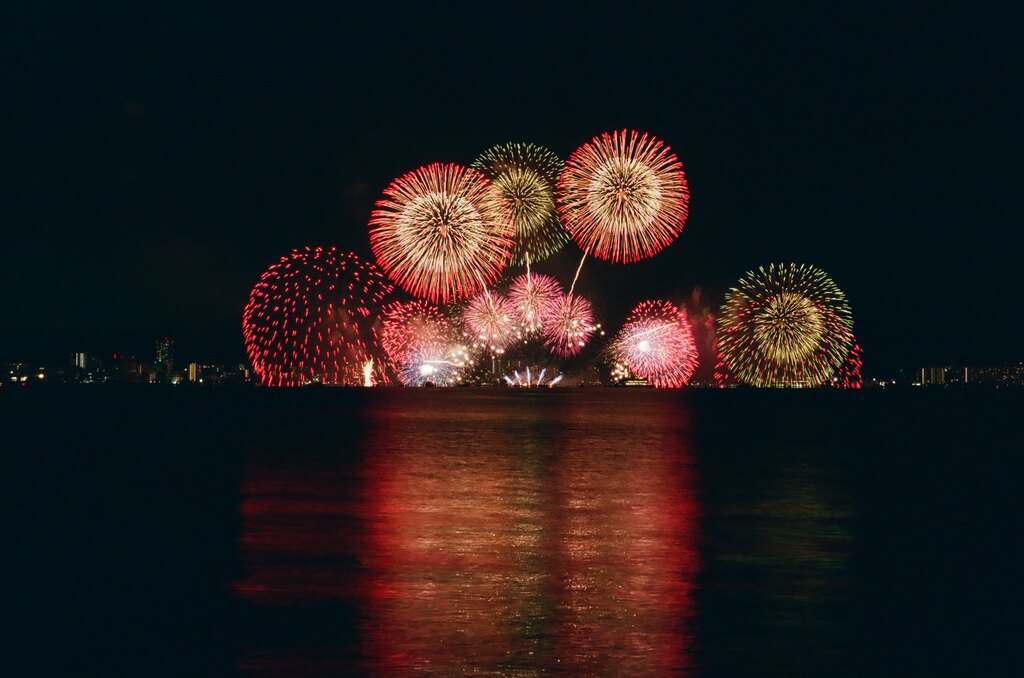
(527, 380)
(442, 232)
(787, 325)
(312, 317)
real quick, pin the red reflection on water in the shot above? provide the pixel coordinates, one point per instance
(552, 533)
(576, 552)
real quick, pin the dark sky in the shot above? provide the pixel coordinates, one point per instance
(157, 159)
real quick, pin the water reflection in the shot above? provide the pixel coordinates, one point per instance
(508, 534)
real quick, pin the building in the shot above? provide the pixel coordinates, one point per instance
(165, 354)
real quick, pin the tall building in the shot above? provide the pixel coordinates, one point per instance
(195, 372)
(933, 375)
(165, 354)
(80, 360)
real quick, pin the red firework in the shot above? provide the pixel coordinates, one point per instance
(848, 375)
(568, 325)
(442, 232)
(312, 317)
(657, 343)
(531, 298)
(623, 196)
(411, 326)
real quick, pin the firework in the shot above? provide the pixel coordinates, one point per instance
(422, 344)
(787, 325)
(848, 374)
(568, 325)
(623, 196)
(656, 343)
(410, 325)
(534, 379)
(531, 297)
(489, 322)
(312, 317)
(440, 365)
(442, 232)
(526, 175)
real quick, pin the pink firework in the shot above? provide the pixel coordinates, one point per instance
(442, 232)
(410, 326)
(489, 322)
(313, 317)
(568, 325)
(623, 196)
(657, 343)
(531, 297)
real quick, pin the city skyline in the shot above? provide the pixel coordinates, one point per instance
(159, 163)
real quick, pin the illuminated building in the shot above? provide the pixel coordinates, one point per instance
(165, 354)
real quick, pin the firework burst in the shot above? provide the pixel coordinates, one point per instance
(623, 196)
(442, 232)
(787, 325)
(489, 322)
(656, 343)
(410, 325)
(526, 175)
(312, 317)
(422, 344)
(531, 297)
(438, 364)
(568, 325)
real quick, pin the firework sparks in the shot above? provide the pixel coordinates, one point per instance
(312, 317)
(528, 380)
(526, 175)
(442, 232)
(848, 375)
(787, 325)
(530, 298)
(440, 365)
(568, 325)
(623, 196)
(410, 325)
(656, 343)
(489, 322)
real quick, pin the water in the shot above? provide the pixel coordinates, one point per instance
(494, 532)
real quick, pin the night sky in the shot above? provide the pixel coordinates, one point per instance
(156, 160)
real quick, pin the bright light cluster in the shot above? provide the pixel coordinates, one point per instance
(787, 325)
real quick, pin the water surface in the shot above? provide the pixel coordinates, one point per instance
(497, 532)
